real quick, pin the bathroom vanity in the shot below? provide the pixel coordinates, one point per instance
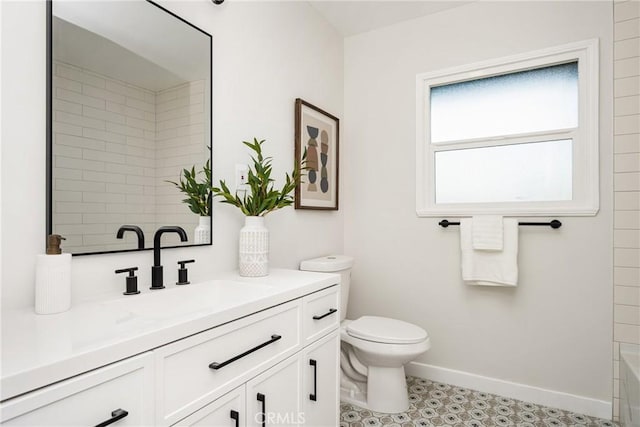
(227, 352)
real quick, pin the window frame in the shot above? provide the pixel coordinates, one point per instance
(585, 161)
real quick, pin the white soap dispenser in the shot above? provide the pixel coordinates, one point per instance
(53, 278)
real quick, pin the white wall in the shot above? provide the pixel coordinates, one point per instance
(265, 55)
(554, 330)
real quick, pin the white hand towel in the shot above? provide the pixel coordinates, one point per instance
(487, 232)
(490, 268)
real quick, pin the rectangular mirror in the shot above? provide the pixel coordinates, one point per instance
(129, 107)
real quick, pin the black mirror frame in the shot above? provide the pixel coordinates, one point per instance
(49, 128)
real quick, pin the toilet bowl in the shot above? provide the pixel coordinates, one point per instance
(374, 349)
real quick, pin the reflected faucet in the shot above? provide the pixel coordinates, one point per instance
(136, 230)
(157, 276)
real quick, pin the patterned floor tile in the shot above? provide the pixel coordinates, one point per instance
(438, 404)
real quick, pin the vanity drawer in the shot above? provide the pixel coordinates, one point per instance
(89, 399)
(194, 371)
(321, 313)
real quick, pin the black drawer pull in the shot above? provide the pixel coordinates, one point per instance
(235, 416)
(328, 313)
(314, 396)
(216, 365)
(116, 415)
(262, 398)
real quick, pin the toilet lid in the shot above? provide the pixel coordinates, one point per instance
(385, 330)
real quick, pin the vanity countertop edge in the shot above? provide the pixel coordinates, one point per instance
(39, 350)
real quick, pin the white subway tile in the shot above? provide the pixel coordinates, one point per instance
(626, 220)
(67, 129)
(79, 228)
(75, 207)
(626, 68)
(150, 98)
(67, 151)
(626, 181)
(174, 103)
(624, 257)
(140, 180)
(627, 105)
(99, 239)
(149, 190)
(103, 177)
(140, 152)
(626, 10)
(627, 29)
(116, 148)
(103, 156)
(627, 143)
(75, 97)
(104, 135)
(67, 196)
(626, 333)
(108, 116)
(627, 314)
(104, 94)
(140, 105)
(80, 142)
(103, 198)
(626, 295)
(67, 218)
(140, 161)
(124, 189)
(141, 124)
(126, 111)
(126, 90)
(71, 163)
(144, 199)
(627, 200)
(626, 276)
(62, 173)
(628, 162)
(140, 142)
(629, 48)
(124, 169)
(627, 124)
(126, 208)
(67, 107)
(68, 84)
(72, 185)
(78, 120)
(626, 86)
(124, 130)
(626, 239)
(104, 219)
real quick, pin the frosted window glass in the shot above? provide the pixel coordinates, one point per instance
(536, 100)
(540, 171)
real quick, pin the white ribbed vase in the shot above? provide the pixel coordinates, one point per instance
(254, 248)
(202, 233)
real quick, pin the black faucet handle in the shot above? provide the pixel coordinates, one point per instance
(132, 280)
(187, 261)
(183, 272)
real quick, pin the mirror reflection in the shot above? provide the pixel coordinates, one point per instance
(130, 108)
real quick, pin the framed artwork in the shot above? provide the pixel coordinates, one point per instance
(317, 133)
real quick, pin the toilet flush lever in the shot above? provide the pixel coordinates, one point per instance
(328, 313)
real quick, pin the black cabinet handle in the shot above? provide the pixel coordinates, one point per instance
(235, 416)
(262, 398)
(328, 313)
(116, 415)
(216, 365)
(314, 396)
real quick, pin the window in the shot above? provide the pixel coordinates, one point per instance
(515, 136)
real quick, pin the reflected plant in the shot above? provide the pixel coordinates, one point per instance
(199, 196)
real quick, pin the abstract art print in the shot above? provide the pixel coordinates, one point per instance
(317, 134)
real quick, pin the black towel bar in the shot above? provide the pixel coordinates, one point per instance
(553, 224)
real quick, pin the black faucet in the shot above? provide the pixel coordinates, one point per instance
(157, 280)
(136, 230)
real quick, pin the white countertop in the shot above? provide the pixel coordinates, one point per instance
(38, 350)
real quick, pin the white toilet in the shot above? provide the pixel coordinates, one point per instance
(374, 349)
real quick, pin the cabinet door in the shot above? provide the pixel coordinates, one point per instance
(227, 411)
(274, 397)
(119, 395)
(321, 376)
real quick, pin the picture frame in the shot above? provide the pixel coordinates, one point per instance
(317, 133)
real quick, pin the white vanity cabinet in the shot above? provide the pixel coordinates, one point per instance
(119, 394)
(272, 362)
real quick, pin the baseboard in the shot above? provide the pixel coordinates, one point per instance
(539, 396)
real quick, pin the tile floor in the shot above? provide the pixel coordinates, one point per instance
(437, 404)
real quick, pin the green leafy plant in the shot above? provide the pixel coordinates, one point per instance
(261, 197)
(198, 192)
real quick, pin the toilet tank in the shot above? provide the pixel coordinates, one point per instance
(340, 264)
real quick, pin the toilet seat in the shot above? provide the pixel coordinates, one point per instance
(385, 330)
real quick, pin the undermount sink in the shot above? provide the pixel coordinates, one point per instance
(209, 296)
